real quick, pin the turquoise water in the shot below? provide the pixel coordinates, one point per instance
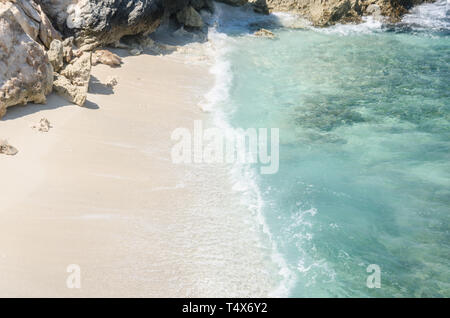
(364, 175)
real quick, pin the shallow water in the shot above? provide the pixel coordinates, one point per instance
(364, 175)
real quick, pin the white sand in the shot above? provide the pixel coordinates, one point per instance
(99, 190)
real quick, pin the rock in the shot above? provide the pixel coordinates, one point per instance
(7, 149)
(68, 49)
(73, 81)
(234, 3)
(73, 93)
(374, 10)
(264, 33)
(136, 51)
(197, 4)
(47, 33)
(259, 6)
(106, 57)
(31, 9)
(28, 24)
(96, 23)
(202, 4)
(111, 81)
(329, 12)
(79, 70)
(43, 125)
(68, 41)
(56, 55)
(33, 20)
(26, 74)
(189, 17)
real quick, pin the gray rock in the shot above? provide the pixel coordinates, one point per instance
(190, 17)
(94, 23)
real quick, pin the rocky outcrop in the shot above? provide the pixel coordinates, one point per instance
(26, 74)
(329, 12)
(94, 23)
(324, 13)
(72, 82)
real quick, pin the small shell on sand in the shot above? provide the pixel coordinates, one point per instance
(7, 149)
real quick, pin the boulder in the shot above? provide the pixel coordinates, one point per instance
(95, 23)
(26, 74)
(28, 24)
(72, 82)
(34, 21)
(189, 17)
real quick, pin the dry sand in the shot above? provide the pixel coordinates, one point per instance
(99, 190)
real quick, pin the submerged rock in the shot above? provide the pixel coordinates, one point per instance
(26, 74)
(264, 33)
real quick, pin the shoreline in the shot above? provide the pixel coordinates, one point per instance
(98, 190)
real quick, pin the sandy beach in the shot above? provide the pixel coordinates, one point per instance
(99, 190)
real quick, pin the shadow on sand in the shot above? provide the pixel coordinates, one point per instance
(53, 102)
(97, 87)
